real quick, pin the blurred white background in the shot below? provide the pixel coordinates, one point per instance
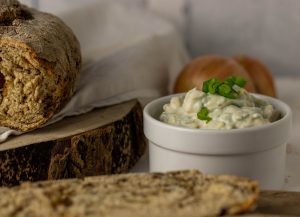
(266, 29)
(60, 6)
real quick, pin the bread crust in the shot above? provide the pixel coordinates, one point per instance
(206, 67)
(41, 60)
(176, 194)
(261, 76)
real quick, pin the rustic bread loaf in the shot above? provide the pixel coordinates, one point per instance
(259, 78)
(173, 194)
(39, 63)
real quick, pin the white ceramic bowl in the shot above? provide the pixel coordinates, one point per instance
(257, 153)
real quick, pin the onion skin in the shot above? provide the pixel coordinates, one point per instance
(260, 75)
(207, 67)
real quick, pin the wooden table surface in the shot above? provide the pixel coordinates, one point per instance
(279, 203)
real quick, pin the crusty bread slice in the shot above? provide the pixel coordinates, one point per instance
(40, 61)
(182, 193)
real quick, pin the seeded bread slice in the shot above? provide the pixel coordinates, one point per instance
(40, 61)
(173, 194)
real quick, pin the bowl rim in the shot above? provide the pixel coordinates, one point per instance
(216, 141)
(286, 115)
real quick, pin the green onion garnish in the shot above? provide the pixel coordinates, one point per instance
(215, 86)
(203, 114)
(241, 82)
(210, 86)
(227, 91)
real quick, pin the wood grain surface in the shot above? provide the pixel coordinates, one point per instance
(112, 146)
(277, 204)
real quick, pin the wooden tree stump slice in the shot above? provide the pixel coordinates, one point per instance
(276, 204)
(279, 202)
(104, 141)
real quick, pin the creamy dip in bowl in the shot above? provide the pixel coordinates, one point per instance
(219, 144)
(224, 113)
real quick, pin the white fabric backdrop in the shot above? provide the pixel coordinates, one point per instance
(266, 29)
(60, 6)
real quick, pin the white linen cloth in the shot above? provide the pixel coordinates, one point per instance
(128, 53)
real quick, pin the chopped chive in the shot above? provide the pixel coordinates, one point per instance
(224, 89)
(227, 91)
(231, 95)
(236, 80)
(214, 83)
(229, 81)
(205, 86)
(203, 114)
(210, 86)
(240, 81)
